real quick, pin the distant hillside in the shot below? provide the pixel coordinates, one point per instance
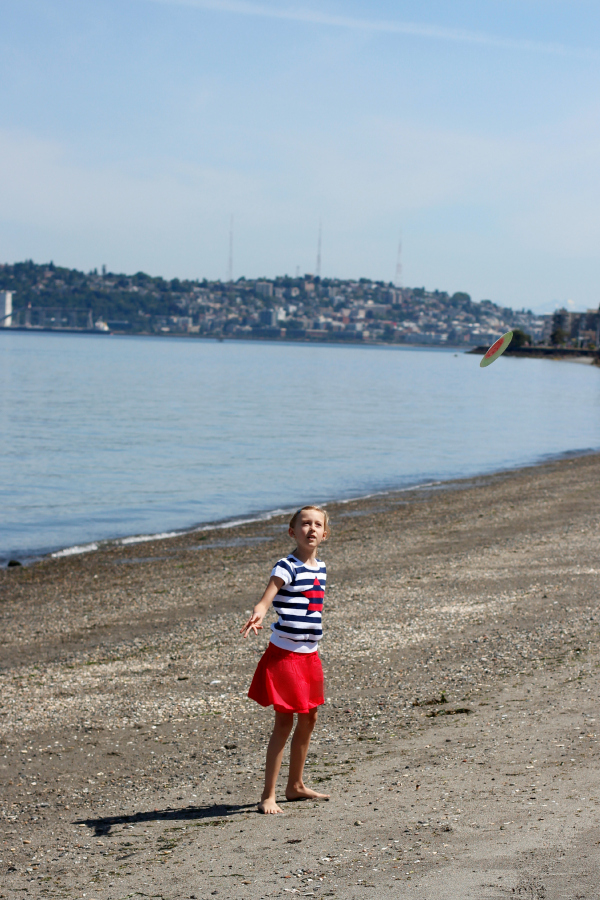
(306, 308)
(113, 297)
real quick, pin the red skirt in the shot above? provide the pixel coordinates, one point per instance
(292, 682)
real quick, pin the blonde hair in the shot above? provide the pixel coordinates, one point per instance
(324, 512)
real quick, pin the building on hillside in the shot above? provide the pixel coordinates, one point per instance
(268, 317)
(579, 329)
(272, 317)
(546, 333)
(264, 288)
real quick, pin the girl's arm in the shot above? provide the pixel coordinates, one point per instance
(260, 610)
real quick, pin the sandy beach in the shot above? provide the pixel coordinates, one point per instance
(459, 740)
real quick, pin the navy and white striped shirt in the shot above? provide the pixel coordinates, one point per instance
(298, 603)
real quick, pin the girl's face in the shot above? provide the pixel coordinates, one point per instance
(309, 530)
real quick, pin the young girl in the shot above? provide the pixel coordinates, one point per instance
(289, 674)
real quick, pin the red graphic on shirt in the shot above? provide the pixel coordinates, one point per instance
(315, 597)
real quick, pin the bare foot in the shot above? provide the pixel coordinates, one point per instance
(269, 807)
(301, 792)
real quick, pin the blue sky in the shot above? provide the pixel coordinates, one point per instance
(131, 130)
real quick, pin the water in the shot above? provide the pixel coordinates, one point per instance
(103, 437)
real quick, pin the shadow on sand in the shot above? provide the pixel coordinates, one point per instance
(102, 826)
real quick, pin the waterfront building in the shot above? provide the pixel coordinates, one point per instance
(5, 309)
(578, 329)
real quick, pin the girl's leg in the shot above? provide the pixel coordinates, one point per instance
(281, 732)
(296, 789)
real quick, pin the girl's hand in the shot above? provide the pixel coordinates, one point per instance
(253, 624)
(261, 608)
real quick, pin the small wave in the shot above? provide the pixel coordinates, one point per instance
(235, 523)
(229, 523)
(403, 490)
(142, 538)
(213, 526)
(74, 551)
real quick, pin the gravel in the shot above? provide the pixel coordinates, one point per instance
(458, 740)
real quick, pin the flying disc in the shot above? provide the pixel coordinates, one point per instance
(496, 350)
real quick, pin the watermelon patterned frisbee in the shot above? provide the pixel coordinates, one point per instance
(496, 350)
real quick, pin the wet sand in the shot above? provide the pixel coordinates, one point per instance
(459, 740)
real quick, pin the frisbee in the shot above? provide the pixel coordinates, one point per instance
(496, 350)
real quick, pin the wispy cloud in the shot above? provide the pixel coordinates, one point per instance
(381, 26)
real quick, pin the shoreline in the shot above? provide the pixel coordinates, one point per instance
(236, 521)
(556, 354)
(544, 351)
(459, 738)
(325, 341)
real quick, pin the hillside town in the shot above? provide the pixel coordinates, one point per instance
(302, 308)
(319, 309)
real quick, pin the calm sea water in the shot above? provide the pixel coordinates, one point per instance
(104, 437)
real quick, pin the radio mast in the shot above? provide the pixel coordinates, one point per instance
(318, 266)
(398, 278)
(230, 263)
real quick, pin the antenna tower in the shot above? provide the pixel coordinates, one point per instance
(398, 278)
(318, 266)
(230, 263)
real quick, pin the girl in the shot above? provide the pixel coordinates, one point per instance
(289, 674)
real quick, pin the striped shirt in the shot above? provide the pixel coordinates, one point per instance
(298, 603)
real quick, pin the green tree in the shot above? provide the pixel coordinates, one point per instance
(520, 339)
(460, 298)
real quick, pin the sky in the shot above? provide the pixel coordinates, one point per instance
(132, 131)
